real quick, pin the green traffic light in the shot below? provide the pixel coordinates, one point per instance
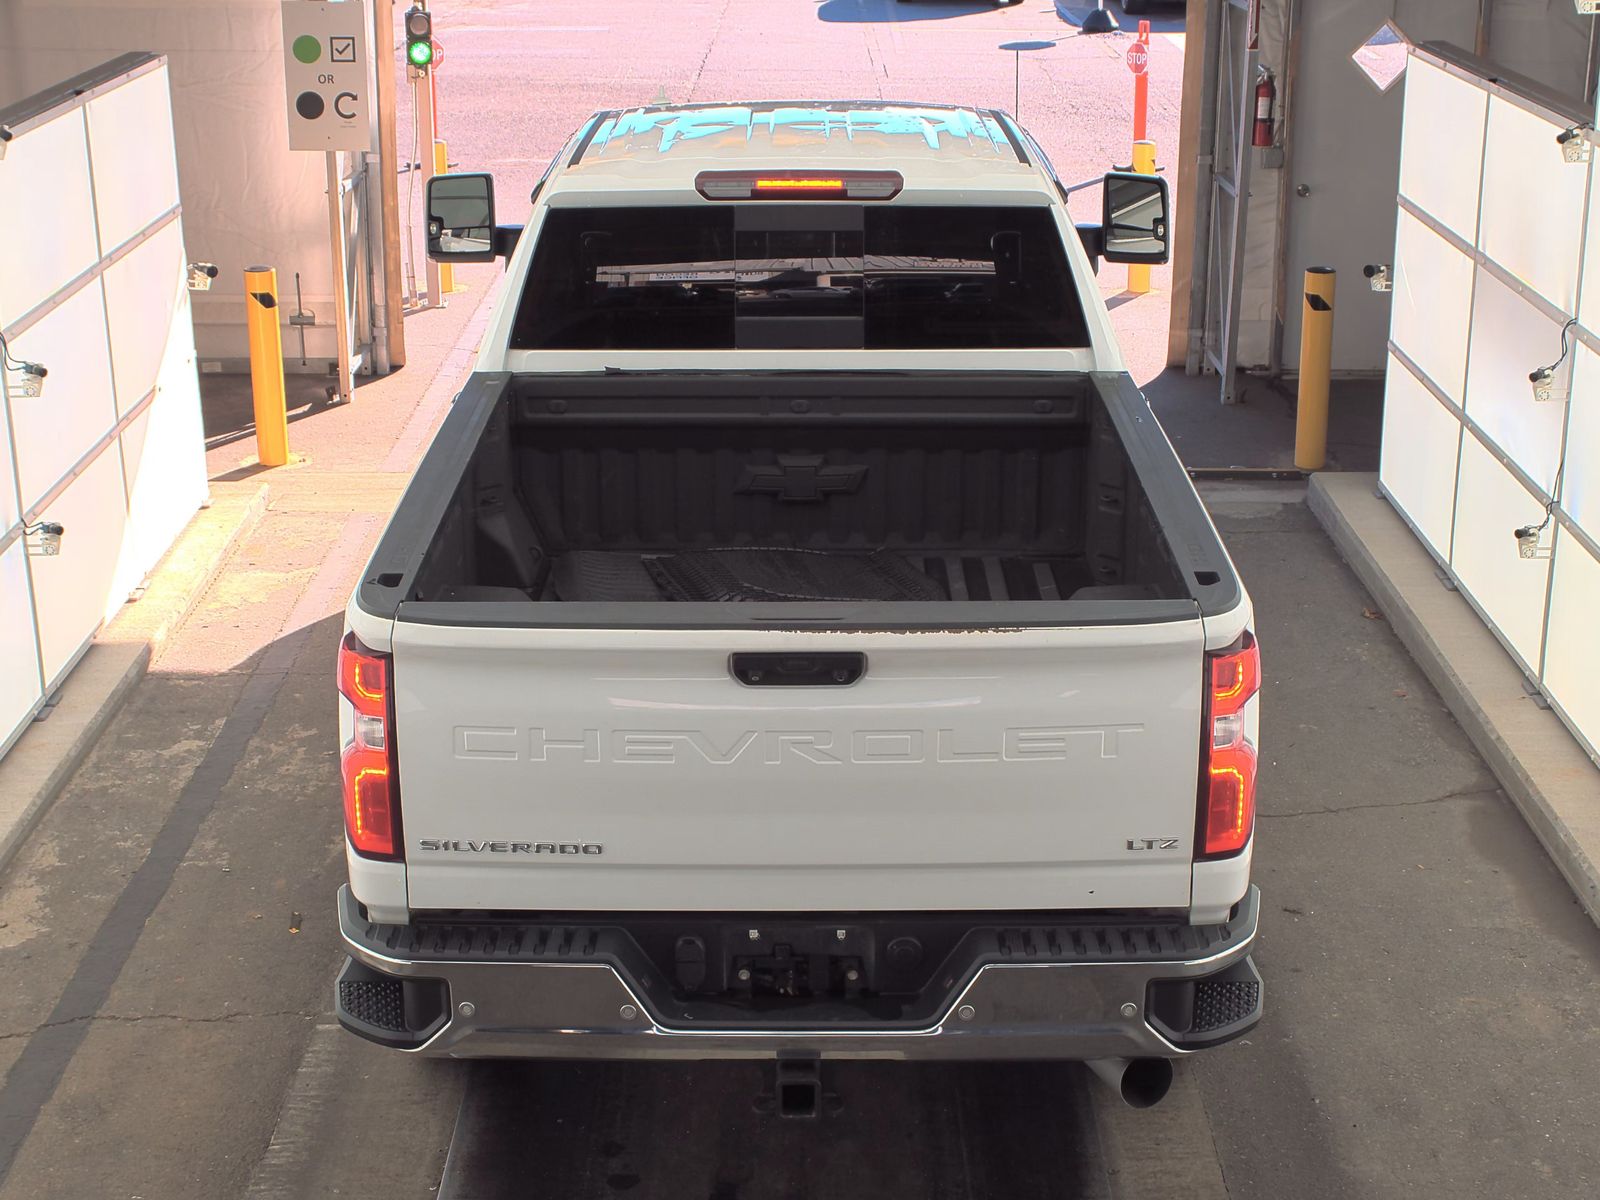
(420, 53)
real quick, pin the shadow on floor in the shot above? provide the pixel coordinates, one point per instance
(1258, 432)
(227, 406)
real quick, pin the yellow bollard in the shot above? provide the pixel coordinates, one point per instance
(1144, 162)
(266, 365)
(1316, 363)
(441, 164)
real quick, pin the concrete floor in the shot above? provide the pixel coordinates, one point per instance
(1432, 1009)
(1259, 430)
(1431, 977)
(167, 932)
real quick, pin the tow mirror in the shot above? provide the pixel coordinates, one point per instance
(1134, 220)
(461, 218)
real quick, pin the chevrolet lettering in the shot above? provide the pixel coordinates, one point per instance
(801, 540)
(433, 845)
(778, 747)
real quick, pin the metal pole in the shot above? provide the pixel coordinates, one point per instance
(341, 276)
(378, 264)
(1590, 85)
(426, 135)
(1016, 84)
(266, 366)
(1144, 150)
(391, 313)
(1316, 365)
(441, 165)
(1286, 115)
(1244, 116)
(408, 234)
(1201, 264)
(1141, 89)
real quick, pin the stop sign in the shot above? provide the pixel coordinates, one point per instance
(1138, 57)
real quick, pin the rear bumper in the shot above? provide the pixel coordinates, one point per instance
(505, 990)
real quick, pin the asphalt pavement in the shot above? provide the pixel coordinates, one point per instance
(167, 933)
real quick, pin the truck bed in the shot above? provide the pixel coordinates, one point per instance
(893, 494)
(777, 573)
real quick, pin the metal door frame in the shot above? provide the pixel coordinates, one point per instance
(1222, 194)
(359, 267)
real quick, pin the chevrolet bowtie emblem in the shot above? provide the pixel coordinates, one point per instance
(801, 478)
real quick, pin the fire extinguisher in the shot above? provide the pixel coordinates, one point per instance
(1266, 94)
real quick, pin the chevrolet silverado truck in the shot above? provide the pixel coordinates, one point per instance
(800, 640)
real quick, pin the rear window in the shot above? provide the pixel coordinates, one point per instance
(896, 277)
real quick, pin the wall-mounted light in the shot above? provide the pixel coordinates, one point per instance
(1543, 379)
(1380, 276)
(32, 373)
(32, 378)
(1528, 542)
(1545, 389)
(1575, 148)
(43, 538)
(200, 276)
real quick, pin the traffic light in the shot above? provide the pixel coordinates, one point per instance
(419, 37)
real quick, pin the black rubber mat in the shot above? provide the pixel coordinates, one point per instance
(600, 576)
(765, 573)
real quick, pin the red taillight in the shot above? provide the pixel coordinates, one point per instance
(1228, 780)
(1235, 677)
(366, 759)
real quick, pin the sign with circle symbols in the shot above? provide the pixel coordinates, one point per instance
(1138, 58)
(326, 73)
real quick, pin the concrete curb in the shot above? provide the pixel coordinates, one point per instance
(46, 755)
(1538, 763)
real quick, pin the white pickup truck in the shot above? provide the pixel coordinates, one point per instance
(800, 640)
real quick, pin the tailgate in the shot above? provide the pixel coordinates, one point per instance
(608, 770)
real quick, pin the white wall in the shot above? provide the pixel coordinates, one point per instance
(113, 449)
(248, 199)
(1498, 249)
(1344, 150)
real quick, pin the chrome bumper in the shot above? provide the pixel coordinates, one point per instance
(500, 1006)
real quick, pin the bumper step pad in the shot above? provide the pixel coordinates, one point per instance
(402, 1013)
(376, 1002)
(1219, 1003)
(1196, 1013)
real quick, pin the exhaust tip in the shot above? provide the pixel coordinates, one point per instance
(1146, 1082)
(1141, 1082)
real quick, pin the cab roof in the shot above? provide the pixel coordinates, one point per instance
(932, 145)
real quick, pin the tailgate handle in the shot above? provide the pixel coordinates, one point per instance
(797, 670)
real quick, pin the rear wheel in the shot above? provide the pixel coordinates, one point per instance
(1136, 8)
